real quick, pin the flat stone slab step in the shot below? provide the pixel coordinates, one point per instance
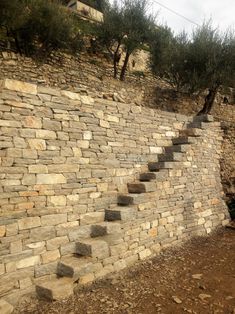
(140, 187)
(181, 148)
(105, 228)
(203, 118)
(5, 307)
(74, 267)
(155, 166)
(147, 176)
(183, 140)
(95, 248)
(194, 132)
(55, 289)
(120, 213)
(132, 199)
(174, 156)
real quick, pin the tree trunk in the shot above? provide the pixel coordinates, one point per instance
(115, 61)
(124, 67)
(209, 101)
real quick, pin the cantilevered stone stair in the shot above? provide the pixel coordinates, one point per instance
(91, 251)
(173, 158)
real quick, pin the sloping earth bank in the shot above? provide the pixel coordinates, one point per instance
(198, 277)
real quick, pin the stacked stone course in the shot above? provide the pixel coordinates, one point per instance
(89, 186)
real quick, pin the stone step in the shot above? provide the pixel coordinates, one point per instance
(132, 199)
(55, 289)
(120, 213)
(183, 140)
(95, 248)
(105, 228)
(203, 118)
(174, 156)
(147, 176)
(140, 187)
(74, 267)
(177, 148)
(193, 132)
(156, 166)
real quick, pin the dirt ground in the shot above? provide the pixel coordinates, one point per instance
(198, 277)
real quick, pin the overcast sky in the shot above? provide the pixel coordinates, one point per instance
(222, 12)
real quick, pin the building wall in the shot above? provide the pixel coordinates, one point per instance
(65, 158)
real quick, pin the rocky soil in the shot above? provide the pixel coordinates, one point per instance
(198, 278)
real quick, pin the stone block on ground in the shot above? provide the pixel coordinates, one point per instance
(55, 289)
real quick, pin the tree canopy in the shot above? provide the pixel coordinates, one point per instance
(126, 25)
(39, 26)
(204, 61)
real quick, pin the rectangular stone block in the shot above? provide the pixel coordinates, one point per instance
(29, 222)
(18, 86)
(50, 179)
(52, 220)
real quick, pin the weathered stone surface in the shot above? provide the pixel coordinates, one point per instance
(91, 218)
(5, 307)
(29, 223)
(74, 267)
(50, 179)
(20, 86)
(56, 289)
(93, 248)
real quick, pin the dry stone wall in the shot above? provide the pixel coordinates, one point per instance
(87, 177)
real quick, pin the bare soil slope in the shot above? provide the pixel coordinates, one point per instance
(198, 277)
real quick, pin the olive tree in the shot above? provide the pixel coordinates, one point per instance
(39, 26)
(126, 24)
(204, 61)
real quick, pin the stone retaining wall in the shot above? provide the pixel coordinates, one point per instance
(65, 158)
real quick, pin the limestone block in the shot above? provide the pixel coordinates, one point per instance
(38, 169)
(30, 153)
(156, 150)
(37, 144)
(28, 262)
(93, 248)
(104, 124)
(42, 233)
(50, 256)
(87, 135)
(10, 124)
(91, 218)
(29, 179)
(18, 86)
(2, 231)
(55, 289)
(72, 199)
(54, 219)
(144, 254)
(55, 243)
(63, 168)
(5, 307)
(29, 222)
(45, 134)
(57, 200)
(32, 122)
(50, 179)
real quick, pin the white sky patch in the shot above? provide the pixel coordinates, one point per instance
(222, 13)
